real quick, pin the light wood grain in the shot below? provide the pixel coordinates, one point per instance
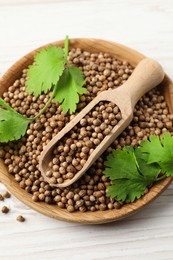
(144, 25)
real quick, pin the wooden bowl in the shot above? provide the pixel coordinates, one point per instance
(120, 52)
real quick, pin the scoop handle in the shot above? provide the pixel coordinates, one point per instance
(147, 75)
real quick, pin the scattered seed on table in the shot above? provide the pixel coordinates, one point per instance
(6, 195)
(5, 209)
(1, 197)
(20, 218)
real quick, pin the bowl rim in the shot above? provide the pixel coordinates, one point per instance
(54, 211)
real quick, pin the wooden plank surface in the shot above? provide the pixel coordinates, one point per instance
(146, 26)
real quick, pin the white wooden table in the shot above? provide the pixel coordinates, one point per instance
(145, 25)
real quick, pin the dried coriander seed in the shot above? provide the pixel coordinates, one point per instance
(6, 195)
(5, 209)
(1, 197)
(20, 218)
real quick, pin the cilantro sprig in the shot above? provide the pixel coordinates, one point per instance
(49, 72)
(132, 170)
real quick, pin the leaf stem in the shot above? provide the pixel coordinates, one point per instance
(66, 44)
(46, 105)
(161, 178)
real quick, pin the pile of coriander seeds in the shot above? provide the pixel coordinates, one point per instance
(101, 72)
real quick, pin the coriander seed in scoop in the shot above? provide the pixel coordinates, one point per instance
(80, 143)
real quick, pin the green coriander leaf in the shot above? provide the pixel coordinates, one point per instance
(130, 175)
(69, 87)
(127, 189)
(121, 164)
(159, 151)
(46, 71)
(149, 171)
(152, 149)
(12, 124)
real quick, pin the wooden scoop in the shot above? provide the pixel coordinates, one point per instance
(146, 76)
